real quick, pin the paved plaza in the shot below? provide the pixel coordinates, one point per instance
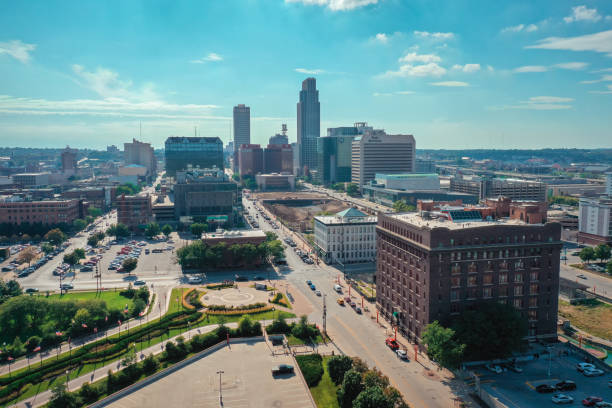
(243, 295)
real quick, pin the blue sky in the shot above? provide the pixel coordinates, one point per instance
(456, 74)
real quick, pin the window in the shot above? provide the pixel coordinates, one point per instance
(518, 303)
(533, 289)
(533, 314)
(503, 277)
(487, 278)
(456, 268)
(455, 281)
(533, 301)
(518, 291)
(454, 295)
(472, 268)
(472, 293)
(533, 276)
(486, 292)
(472, 280)
(518, 277)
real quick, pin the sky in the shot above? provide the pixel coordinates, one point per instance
(454, 73)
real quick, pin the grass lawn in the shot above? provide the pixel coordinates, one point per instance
(324, 393)
(113, 299)
(594, 318)
(295, 341)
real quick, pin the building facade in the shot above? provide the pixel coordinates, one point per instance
(275, 181)
(308, 124)
(69, 160)
(377, 152)
(242, 129)
(31, 179)
(408, 181)
(278, 159)
(17, 211)
(424, 166)
(431, 268)
(595, 220)
(134, 211)
(280, 138)
(347, 237)
(202, 152)
(493, 188)
(141, 154)
(250, 159)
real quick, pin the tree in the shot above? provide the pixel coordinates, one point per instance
(74, 257)
(350, 389)
(27, 255)
(94, 239)
(197, 228)
(352, 189)
(442, 346)
(337, 366)
(374, 378)
(609, 267)
(55, 236)
(94, 212)
(372, 397)
(587, 254)
(9, 289)
(167, 230)
(79, 224)
(602, 252)
(61, 398)
(32, 343)
(152, 229)
(127, 189)
(491, 330)
(129, 265)
(118, 230)
(338, 186)
(402, 206)
(47, 248)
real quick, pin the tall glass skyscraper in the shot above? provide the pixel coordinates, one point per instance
(242, 129)
(308, 124)
(202, 152)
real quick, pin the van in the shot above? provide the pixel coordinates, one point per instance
(338, 288)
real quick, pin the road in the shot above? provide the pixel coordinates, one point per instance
(376, 208)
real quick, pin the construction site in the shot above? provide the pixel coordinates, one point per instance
(296, 210)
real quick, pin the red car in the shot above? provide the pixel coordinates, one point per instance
(591, 401)
(392, 343)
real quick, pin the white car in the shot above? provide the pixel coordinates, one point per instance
(603, 404)
(402, 354)
(562, 399)
(494, 368)
(584, 366)
(593, 372)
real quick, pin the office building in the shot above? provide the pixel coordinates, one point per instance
(237, 237)
(134, 211)
(17, 210)
(195, 152)
(141, 154)
(242, 130)
(275, 182)
(346, 237)
(31, 179)
(408, 181)
(493, 188)
(595, 220)
(280, 139)
(69, 160)
(250, 159)
(308, 125)
(609, 184)
(207, 195)
(296, 158)
(98, 197)
(434, 266)
(278, 159)
(424, 166)
(377, 152)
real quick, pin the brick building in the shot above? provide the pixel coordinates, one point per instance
(278, 159)
(250, 159)
(18, 211)
(430, 268)
(134, 211)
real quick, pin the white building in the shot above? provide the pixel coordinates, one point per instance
(409, 181)
(347, 237)
(609, 184)
(595, 221)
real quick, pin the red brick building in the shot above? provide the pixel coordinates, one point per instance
(250, 159)
(278, 159)
(45, 211)
(134, 211)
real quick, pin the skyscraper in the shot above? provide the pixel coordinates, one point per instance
(308, 124)
(69, 162)
(202, 152)
(242, 129)
(142, 154)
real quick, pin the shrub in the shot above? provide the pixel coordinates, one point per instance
(279, 326)
(312, 368)
(89, 393)
(150, 364)
(337, 366)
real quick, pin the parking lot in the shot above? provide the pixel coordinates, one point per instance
(519, 389)
(247, 381)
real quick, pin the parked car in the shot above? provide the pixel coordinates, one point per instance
(358, 310)
(31, 290)
(562, 399)
(401, 354)
(139, 282)
(494, 368)
(591, 401)
(545, 388)
(593, 373)
(603, 404)
(581, 276)
(318, 293)
(340, 301)
(566, 385)
(66, 286)
(240, 278)
(584, 366)
(282, 369)
(392, 343)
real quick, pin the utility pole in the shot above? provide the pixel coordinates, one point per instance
(324, 316)
(220, 372)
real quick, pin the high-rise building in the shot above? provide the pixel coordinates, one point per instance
(134, 211)
(308, 124)
(334, 153)
(595, 220)
(609, 184)
(435, 266)
(242, 129)
(377, 152)
(202, 152)
(142, 154)
(250, 159)
(280, 138)
(69, 161)
(424, 166)
(278, 159)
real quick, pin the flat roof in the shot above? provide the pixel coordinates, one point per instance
(441, 222)
(337, 220)
(405, 175)
(225, 234)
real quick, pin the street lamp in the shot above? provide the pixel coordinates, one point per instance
(220, 385)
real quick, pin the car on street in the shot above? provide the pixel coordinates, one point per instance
(313, 287)
(340, 301)
(66, 286)
(194, 279)
(566, 385)
(259, 277)
(581, 276)
(31, 290)
(240, 278)
(545, 388)
(139, 282)
(401, 354)
(308, 282)
(494, 368)
(358, 310)
(392, 343)
(562, 399)
(603, 404)
(591, 401)
(593, 373)
(584, 366)
(318, 293)
(282, 369)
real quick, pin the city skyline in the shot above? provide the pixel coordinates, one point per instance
(498, 75)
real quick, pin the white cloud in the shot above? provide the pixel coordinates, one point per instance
(574, 66)
(404, 92)
(211, 57)
(521, 27)
(468, 68)
(424, 58)
(336, 5)
(609, 91)
(17, 49)
(490, 68)
(597, 42)
(393, 93)
(601, 70)
(437, 36)
(381, 37)
(541, 103)
(604, 78)
(450, 83)
(582, 13)
(309, 71)
(409, 70)
(549, 99)
(107, 84)
(531, 68)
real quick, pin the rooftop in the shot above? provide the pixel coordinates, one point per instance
(225, 234)
(433, 220)
(405, 175)
(348, 216)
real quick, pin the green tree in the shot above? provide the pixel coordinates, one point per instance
(127, 189)
(17, 348)
(129, 264)
(89, 393)
(372, 397)
(602, 252)
(79, 224)
(32, 343)
(374, 378)
(150, 364)
(9, 289)
(74, 257)
(118, 231)
(47, 248)
(166, 230)
(197, 228)
(338, 186)
(491, 330)
(587, 254)
(402, 206)
(352, 189)
(442, 346)
(609, 267)
(55, 236)
(152, 230)
(350, 389)
(94, 212)
(61, 398)
(337, 366)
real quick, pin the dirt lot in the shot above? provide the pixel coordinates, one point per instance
(594, 317)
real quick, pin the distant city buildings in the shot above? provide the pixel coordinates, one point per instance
(346, 237)
(334, 153)
(280, 139)
(16, 210)
(424, 166)
(31, 179)
(275, 181)
(69, 161)
(595, 220)
(308, 125)
(493, 187)
(250, 159)
(278, 159)
(377, 152)
(242, 130)
(435, 266)
(202, 152)
(141, 154)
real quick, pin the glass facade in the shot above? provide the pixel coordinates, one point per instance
(203, 152)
